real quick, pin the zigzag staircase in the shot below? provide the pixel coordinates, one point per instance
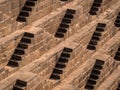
(96, 36)
(95, 7)
(117, 21)
(61, 63)
(65, 23)
(117, 55)
(94, 76)
(20, 49)
(25, 12)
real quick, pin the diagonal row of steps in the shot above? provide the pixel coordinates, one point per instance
(20, 49)
(95, 7)
(65, 23)
(117, 55)
(112, 81)
(117, 21)
(94, 76)
(25, 12)
(61, 63)
(96, 36)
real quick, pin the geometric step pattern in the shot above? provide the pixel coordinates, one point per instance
(96, 36)
(94, 76)
(19, 85)
(20, 49)
(64, 0)
(118, 88)
(117, 21)
(65, 23)
(25, 12)
(95, 7)
(117, 55)
(61, 63)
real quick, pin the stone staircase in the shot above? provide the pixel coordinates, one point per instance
(95, 7)
(65, 23)
(98, 66)
(20, 49)
(117, 22)
(61, 63)
(59, 45)
(25, 12)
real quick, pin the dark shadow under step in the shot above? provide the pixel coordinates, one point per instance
(67, 21)
(25, 8)
(17, 88)
(29, 3)
(60, 66)
(98, 67)
(68, 50)
(21, 19)
(68, 16)
(22, 46)
(99, 62)
(55, 77)
(91, 82)
(59, 35)
(70, 11)
(93, 42)
(16, 57)
(93, 12)
(93, 77)
(57, 71)
(21, 83)
(66, 55)
(24, 14)
(13, 63)
(98, 1)
(26, 40)
(89, 87)
(63, 60)
(19, 51)
(91, 47)
(61, 30)
(117, 58)
(29, 35)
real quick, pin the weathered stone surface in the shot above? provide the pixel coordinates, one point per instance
(45, 49)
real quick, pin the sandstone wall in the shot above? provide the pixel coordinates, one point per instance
(41, 56)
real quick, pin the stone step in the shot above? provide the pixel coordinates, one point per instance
(95, 74)
(20, 50)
